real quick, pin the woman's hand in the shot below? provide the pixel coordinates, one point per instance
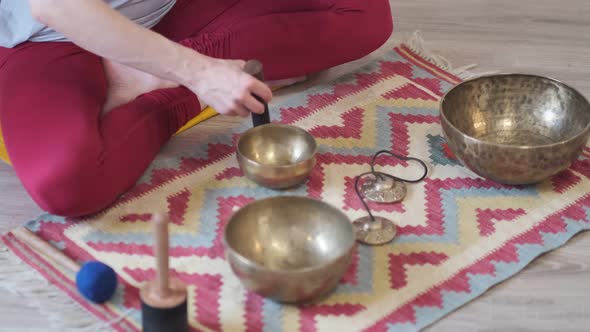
(223, 85)
(96, 27)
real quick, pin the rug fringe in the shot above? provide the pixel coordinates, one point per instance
(417, 44)
(63, 313)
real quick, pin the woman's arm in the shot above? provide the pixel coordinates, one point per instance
(96, 27)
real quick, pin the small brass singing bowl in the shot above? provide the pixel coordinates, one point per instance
(276, 156)
(515, 129)
(288, 248)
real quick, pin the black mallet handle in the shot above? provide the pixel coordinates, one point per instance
(254, 68)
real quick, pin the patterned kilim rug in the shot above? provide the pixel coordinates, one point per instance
(458, 234)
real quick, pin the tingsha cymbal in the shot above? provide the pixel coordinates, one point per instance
(374, 232)
(382, 189)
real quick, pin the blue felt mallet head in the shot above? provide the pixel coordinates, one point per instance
(96, 281)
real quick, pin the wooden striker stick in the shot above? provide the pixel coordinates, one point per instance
(45, 249)
(163, 291)
(161, 252)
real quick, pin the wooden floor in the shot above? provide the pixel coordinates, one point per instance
(535, 36)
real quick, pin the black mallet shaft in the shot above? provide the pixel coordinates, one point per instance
(254, 68)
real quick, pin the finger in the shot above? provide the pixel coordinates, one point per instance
(240, 110)
(261, 90)
(239, 63)
(252, 104)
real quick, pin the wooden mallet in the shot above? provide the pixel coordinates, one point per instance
(254, 68)
(163, 300)
(95, 280)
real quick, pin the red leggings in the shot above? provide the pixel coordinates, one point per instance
(73, 162)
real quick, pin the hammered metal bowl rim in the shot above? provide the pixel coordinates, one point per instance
(278, 125)
(302, 270)
(582, 132)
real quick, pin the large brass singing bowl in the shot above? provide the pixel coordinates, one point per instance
(289, 248)
(515, 128)
(276, 156)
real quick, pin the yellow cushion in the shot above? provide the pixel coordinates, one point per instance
(3, 153)
(206, 114)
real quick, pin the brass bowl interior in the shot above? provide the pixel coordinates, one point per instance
(517, 110)
(277, 145)
(289, 233)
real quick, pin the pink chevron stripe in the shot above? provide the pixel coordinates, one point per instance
(396, 68)
(433, 201)
(254, 313)
(402, 315)
(353, 122)
(315, 184)
(159, 177)
(351, 275)
(431, 84)
(138, 249)
(408, 91)
(177, 205)
(292, 114)
(398, 263)
(506, 253)
(554, 225)
(224, 210)
(131, 297)
(531, 236)
(51, 231)
(309, 313)
(208, 296)
(429, 299)
(565, 180)
(485, 218)
(315, 181)
(509, 253)
(134, 217)
(362, 82)
(341, 159)
(400, 136)
(582, 167)
(229, 173)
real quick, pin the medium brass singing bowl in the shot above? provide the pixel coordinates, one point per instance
(289, 248)
(515, 128)
(276, 156)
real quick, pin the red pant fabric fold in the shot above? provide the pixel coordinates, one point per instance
(73, 162)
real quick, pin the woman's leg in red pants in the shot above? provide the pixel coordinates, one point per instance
(74, 163)
(291, 38)
(70, 161)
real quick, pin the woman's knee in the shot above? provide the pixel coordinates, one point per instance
(71, 187)
(374, 21)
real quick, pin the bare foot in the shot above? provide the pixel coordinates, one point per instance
(285, 82)
(126, 84)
